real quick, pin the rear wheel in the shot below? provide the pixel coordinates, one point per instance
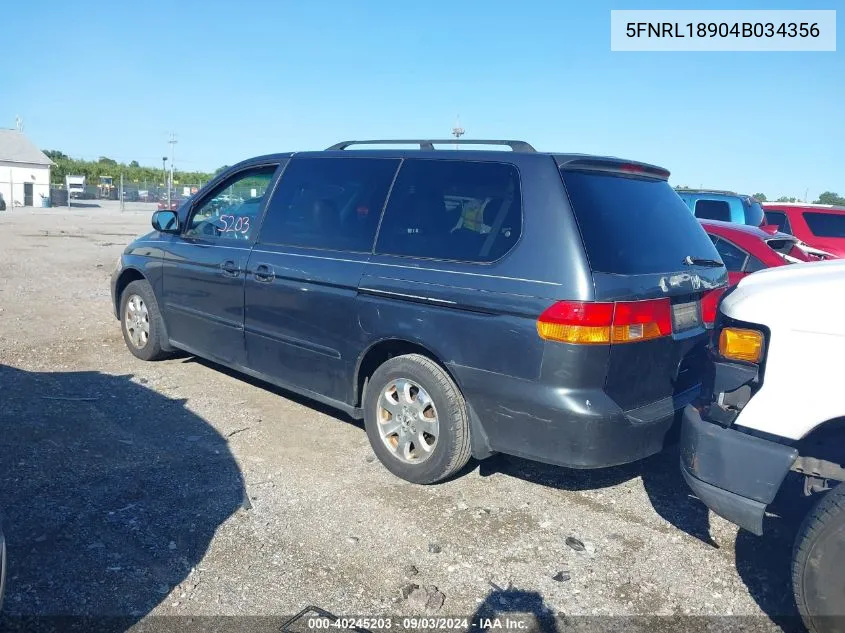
(818, 564)
(141, 321)
(416, 419)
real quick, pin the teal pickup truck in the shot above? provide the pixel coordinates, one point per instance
(725, 206)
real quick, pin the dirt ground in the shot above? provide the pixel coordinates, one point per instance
(179, 488)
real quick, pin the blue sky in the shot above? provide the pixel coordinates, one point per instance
(236, 79)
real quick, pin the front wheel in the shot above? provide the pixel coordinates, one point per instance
(416, 419)
(818, 565)
(141, 322)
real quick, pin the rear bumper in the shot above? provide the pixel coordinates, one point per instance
(576, 428)
(735, 474)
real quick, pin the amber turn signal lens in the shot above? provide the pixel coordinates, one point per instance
(741, 344)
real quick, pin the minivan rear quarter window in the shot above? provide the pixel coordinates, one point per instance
(826, 224)
(633, 225)
(452, 210)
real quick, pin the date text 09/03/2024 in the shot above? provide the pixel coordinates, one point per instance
(722, 29)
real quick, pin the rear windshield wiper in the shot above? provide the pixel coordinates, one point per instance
(689, 260)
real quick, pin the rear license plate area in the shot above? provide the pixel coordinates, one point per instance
(686, 316)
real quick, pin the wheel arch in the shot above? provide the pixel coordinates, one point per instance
(384, 349)
(126, 277)
(827, 427)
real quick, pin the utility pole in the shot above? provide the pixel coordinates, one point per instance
(172, 142)
(457, 131)
(164, 169)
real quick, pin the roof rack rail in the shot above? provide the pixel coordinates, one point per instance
(428, 144)
(705, 190)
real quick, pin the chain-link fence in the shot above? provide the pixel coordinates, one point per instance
(23, 194)
(128, 192)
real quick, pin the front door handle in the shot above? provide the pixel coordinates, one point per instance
(230, 269)
(264, 272)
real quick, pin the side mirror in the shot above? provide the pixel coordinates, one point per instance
(166, 221)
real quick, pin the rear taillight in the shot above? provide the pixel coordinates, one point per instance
(710, 306)
(576, 322)
(587, 322)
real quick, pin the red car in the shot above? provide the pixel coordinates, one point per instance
(175, 203)
(821, 226)
(747, 249)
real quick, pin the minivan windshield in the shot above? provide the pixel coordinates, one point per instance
(633, 225)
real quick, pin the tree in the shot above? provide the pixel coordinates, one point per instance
(785, 199)
(104, 166)
(828, 197)
(220, 170)
(54, 154)
(760, 197)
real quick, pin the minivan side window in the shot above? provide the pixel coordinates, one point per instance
(713, 210)
(329, 203)
(452, 210)
(230, 212)
(825, 224)
(779, 219)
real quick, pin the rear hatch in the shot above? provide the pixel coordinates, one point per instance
(646, 249)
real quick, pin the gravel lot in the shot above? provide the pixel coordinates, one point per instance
(179, 488)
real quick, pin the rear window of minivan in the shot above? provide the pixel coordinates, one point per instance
(633, 225)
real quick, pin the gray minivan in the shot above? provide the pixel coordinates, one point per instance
(463, 303)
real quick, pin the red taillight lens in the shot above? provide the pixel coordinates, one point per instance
(710, 305)
(577, 322)
(602, 323)
(642, 320)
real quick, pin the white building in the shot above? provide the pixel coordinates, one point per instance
(24, 170)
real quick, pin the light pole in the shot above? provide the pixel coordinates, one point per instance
(164, 176)
(172, 142)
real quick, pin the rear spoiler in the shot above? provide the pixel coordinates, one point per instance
(815, 251)
(614, 165)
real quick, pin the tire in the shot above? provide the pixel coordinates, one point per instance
(145, 338)
(818, 564)
(416, 452)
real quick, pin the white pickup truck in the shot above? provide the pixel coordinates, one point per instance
(773, 401)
